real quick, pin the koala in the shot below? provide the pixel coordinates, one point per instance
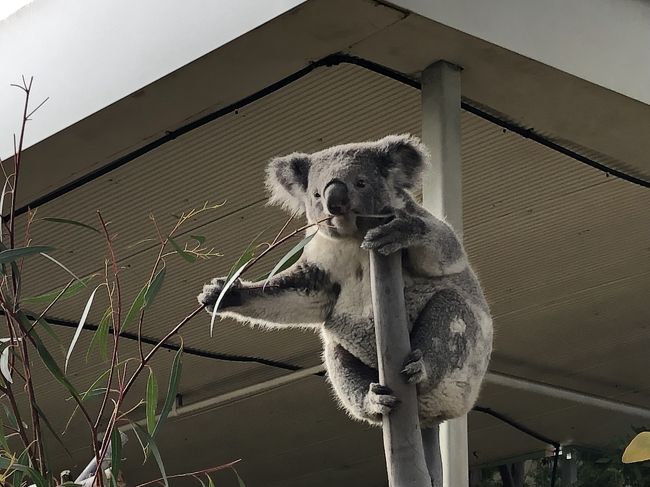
(361, 195)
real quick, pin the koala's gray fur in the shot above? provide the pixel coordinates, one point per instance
(328, 289)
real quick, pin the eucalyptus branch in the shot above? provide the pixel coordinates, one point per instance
(277, 242)
(134, 376)
(192, 474)
(36, 426)
(116, 317)
(49, 306)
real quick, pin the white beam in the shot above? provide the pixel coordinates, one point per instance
(442, 196)
(547, 390)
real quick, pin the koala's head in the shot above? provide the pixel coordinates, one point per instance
(347, 183)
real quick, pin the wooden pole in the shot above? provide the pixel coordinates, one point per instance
(405, 461)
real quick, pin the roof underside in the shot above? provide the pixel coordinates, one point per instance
(562, 251)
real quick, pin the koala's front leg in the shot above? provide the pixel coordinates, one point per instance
(433, 247)
(299, 296)
(357, 385)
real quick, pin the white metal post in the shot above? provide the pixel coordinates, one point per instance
(442, 196)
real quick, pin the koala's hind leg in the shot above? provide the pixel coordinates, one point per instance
(455, 346)
(356, 385)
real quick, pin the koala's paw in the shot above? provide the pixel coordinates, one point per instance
(414, 370)
(211, 293)
(380, 400)
(389, 237)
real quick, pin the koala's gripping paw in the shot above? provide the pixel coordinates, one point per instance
(414, 370)
(380, 400)
(211, 293)
(389, 237)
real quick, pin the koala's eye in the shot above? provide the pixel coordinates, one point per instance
(316, 195)
(361, 183)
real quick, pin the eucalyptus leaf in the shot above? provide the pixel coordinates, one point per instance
(9, 465)
(136, 307)
(289, 258)
(72, 290)
(172, 390)
(154, 287)
(49, 426)
(10, 416)
(180, 251)
(70, 222)
(12, 255)
(3, 439)
(47, 358)
(199, 238)
(2, 201)
(62, 266)
(116, 454)
(227, 286)
(151, 402)
(151, 446)
(239, 479)
(80, 326)
(100, 337)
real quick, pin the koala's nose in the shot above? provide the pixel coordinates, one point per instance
(337, 199)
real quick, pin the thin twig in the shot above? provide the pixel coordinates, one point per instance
(192, 474)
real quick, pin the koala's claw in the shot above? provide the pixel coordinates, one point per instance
(380, 400)
(386, 239)
(414, 370)
(211, 293)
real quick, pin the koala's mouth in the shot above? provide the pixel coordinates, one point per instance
(357, 223)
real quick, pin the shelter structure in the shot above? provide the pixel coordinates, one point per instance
(159, 106)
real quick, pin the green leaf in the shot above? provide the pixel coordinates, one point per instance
(239, 479)
(152, 402)
(151, 446)
(72, 290)
(2, 200)
(49, 257)
(100, 337)
(69, 222)
(210, 482)
(245, 256)
(154, 288)
(199, 238)
(10, 416)
(11, 255)
(116, 454)
(37, 478)
(49, 426)
(3, 438)
(48, 329)
(80, 326)
(185, 255)
(199, 479)
(227, 286)
(289, 258)
(47, 358)
(639, 449)
(172, 389)
(136, 307)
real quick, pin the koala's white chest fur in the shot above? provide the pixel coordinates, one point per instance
(350, 324)
(348, 265)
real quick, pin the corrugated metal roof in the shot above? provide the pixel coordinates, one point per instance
(562, 251)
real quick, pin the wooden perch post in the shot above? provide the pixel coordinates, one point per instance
(405, 460)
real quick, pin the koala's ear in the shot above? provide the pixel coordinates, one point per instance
(286, 180)
(407, 158)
